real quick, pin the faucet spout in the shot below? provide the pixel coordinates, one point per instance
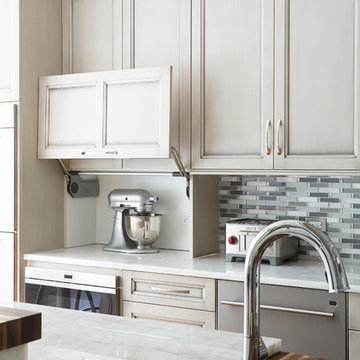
(330, 256)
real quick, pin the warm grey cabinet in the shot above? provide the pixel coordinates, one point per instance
(232, 84)
(170, 298)
(307, 321)
(317, 82)
(354, 326)
(9, 45)
(103, 35)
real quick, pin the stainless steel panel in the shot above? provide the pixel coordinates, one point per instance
(301, 331)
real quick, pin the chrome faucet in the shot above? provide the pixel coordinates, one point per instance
(330, 256)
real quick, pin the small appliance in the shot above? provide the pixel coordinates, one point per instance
(136, 227)
(241, 232)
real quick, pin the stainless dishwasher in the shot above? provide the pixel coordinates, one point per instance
(77, 290)
(311, 322)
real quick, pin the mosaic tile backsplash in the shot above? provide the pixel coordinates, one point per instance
(337, 199)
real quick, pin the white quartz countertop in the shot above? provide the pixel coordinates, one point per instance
(75, 335)
(302, 273)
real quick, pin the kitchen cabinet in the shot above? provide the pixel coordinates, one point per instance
(204, 319)
(30, 43)
(7, 167)
(169, 298)
(130, 34)
(316, 84)
(354, 326)
(9, 45)
(7, 268)
(232, 84)
(118, 114)
(307, 321)
(314, 123)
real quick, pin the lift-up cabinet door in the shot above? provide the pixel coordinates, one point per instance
(113, 114)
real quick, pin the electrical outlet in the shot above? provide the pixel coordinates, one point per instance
(317, 222)
(185, 220)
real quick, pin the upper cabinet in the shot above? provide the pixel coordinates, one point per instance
(117, 114)
(232, 86)
(9, 45)
(102, 35)
(257, 84)
(307, 117)
(317, 84)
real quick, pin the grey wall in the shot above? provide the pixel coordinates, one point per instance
(287, 197)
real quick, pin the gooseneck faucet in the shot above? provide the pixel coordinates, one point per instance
(330, 256)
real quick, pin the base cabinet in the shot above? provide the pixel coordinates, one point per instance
(311, 322)
(354, 326)
(170, 298)
(204, 319)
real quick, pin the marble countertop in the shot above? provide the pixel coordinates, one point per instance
(75, 335)
(302, 273)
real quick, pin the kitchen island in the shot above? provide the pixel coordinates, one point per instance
(76, 335)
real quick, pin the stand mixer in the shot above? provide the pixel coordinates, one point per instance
(135, 226)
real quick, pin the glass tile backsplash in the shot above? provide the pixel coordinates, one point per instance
(337, 199)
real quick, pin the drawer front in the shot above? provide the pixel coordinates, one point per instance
(354, 311)
(198, 318)
(71, 277)
(354, 345)
(179, 291)
(303, 319)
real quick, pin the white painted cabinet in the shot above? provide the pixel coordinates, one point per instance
(9, 45)
(232, 84)
(7, 268)
(116, 114)
(317, 84)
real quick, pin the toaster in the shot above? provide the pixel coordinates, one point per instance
(241, 232)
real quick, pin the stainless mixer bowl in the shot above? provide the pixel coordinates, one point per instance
(143, 229)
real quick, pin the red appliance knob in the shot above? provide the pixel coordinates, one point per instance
(232, 240)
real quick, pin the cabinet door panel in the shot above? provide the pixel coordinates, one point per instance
(7, 168)
(92, 35)
(161, 36)
(232, 83)
(7, 269)
(9, 45)
(302, 333)
(197, 318)
(318, 103)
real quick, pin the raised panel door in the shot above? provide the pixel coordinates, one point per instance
(317, 84)
(9, 46)
(232, 85)
(157, 33)
(7, 269)
(92, 35)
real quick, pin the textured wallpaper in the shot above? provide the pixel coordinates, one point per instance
(337, 199)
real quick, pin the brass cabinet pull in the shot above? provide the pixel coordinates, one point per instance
(282, 309)
(279, 149)
(173, 291)
(267, 146)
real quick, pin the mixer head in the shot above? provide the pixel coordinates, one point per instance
(138, 199)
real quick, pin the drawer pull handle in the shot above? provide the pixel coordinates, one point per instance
(68, 276)
(283, 309)
(172, 291)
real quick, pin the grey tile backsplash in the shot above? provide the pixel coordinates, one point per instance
(337, 199)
